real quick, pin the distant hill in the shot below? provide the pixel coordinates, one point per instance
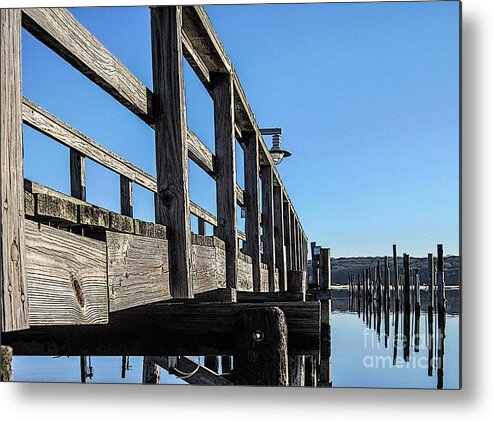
(344, 266)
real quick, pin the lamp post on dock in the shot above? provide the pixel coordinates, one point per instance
(276, 152)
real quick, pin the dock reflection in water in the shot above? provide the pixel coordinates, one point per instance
(418, 348)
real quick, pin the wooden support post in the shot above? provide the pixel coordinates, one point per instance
(440, 279)
(6, 364)
(225, 167)
(280, 258)
(83, 368)
(226, 364)
(296, 282)
(77, 175)
(173, 201)
(379, 281)
(296, 370)
(126, 196)
(325, 345)
(13, 284)
(310, 371)
(261, 356)
(325, 274)
(252, 204)
(268, 222)
(431, 281)
(212, 362)
(287, 236)
(315, 264)
(151, 372)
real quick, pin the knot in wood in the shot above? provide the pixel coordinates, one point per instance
(78, 290)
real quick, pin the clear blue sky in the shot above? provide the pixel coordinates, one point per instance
(367, 96)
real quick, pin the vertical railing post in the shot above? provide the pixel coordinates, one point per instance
(268, 222)
(13, 283)
(279, 237)
(287, 236)
(172, 199)
(77, 175)
(225, 164)
(126, 196)
(252, 204)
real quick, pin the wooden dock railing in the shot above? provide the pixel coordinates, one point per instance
(179, 258)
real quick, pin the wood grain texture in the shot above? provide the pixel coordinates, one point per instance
(93, 216)
(245, 274)
(55, 208)
(201, 375)
(204, 268)
(138, 270)
(252, 204)
(189, 329)
(66, 276)
(13, 297)
(268, 256)
(200, 154)
(195, 60)
(173, 203)
(29, 203)
(121, 223)
(77, 174)
(279, 238)
(6, 354)
(225, 148)
(59, 30)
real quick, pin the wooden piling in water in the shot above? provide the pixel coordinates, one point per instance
(261, 356)
(296, 370)
(407, 280)
(151, 372)
(310, 371)
(212, 362)
(226, 364)
(396, 275)
(6, 354)
(440, 279)
(417, 292)
(431, 281)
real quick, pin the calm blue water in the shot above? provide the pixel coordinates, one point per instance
(360, 357)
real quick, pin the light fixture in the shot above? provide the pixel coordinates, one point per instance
(276, 152)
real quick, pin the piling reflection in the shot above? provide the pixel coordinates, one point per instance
(374, 295)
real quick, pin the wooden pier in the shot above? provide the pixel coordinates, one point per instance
(77, 279)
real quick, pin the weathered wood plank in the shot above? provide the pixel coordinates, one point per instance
(173, 203)
(201, 375)
(14, 305)
(195, 60)
(279, 238)
(55, 208)
(149, 229)
(263, 297)
(252, 204)
(189, 329)
(77, 175)
(245, 276)
(59, 30)
(138, 270)
(200, 154)
(204, 266)
(93, 216)
(218, 295)
(198, 29)
(29, 203)
(268, 256)
(226, 171)
(66, 276)
(121, 223)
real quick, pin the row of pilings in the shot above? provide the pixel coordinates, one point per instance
(378, 293)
